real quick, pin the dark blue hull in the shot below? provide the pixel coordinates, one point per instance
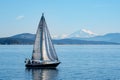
(52, 65)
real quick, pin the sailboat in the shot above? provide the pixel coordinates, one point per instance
(44, 54)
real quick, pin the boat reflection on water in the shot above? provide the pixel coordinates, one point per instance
(41, 74)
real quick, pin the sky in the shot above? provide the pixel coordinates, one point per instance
(62, 16)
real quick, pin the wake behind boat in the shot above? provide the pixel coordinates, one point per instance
(44, 54)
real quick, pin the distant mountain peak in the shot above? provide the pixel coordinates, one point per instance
(112, 34)
(83, 33)
(24, 36)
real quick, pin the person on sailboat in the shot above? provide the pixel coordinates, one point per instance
(27, 61)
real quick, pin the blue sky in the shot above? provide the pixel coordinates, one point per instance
(62, 16)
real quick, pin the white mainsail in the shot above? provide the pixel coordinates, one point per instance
(43, 49)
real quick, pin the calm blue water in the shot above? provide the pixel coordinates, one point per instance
(79, 62)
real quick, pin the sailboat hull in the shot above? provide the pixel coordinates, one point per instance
(52, 65)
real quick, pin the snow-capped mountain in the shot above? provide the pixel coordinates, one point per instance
(83, 33)
(27, 38)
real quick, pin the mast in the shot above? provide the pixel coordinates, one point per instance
(37, 49)
(41, 42)
(42, 25)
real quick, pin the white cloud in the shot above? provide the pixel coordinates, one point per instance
(59, 36)
(64, 35)
(20, 17)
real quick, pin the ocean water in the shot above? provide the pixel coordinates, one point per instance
(78, 62)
